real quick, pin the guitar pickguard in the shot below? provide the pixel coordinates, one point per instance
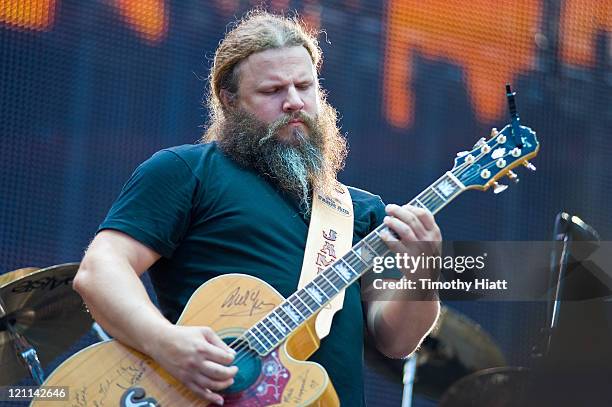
(268, 388)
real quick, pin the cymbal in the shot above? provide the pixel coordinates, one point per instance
(467, 340)
(15, 274)
(495, 387)
(457, 347)
(42, 307)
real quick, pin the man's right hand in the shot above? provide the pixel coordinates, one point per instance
(109, 282)
(197, 357)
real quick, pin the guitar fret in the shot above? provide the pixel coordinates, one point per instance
(269, 330)
(436, 204)
(269, 324)
(348, 265)
(339, 274)
(293, 313)
(295, 308)
(314, 293)
(285, 318)
(335, 278)
(452, 176)
(264, 337)
(355, 264)
(446, 187)
(439, 194)
(378, 245)
(302, 301)
(359, 257)
(310, 298)
(365, 242)
(329, 282)
(421, 204)
(249, 333)
(274, 319)
(319, 288)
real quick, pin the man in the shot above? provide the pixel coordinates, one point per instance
(241, 203)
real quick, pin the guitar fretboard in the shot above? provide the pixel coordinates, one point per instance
(273, 329)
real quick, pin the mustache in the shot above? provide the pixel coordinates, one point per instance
(311, 161)
(275, 126)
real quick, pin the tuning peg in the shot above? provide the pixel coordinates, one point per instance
(494, 132)
(497, 187)
(462, 153)
(513, 177)
(529, 166)
(480, 142)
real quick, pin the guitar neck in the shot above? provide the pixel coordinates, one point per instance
(273, 329)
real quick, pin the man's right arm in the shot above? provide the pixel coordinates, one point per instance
(109, 282)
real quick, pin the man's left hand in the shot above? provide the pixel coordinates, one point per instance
(416, 230)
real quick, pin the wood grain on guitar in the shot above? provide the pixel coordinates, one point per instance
(111, 374)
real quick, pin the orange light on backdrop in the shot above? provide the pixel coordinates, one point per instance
(491, 40)
(580, 21)
(148, 18)
(29, 14)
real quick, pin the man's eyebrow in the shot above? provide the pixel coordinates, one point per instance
(276, 81)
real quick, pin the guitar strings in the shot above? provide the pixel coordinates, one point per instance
(459, 171)
(242, 346)
(427, 197)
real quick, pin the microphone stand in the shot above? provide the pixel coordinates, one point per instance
(567, 229)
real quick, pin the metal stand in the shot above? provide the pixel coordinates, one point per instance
(560, 266)
(101, 333)
(29, 356)
(24, 349)
(409, 374)
(567, 229)
(3, 321)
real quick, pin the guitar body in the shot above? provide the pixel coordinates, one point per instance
(111, 374)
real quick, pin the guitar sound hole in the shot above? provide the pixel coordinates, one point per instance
(249, 367)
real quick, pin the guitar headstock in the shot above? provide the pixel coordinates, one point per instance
(491, 159)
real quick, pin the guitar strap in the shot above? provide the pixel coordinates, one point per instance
(330, 236)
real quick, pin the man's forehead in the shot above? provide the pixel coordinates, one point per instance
(278, 64)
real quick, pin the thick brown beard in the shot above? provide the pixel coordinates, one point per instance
(311, 162)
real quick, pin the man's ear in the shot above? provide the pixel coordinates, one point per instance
(228, 99)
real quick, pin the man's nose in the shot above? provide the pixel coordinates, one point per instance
(293, 102)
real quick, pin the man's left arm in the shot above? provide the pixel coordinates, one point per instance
(400, 324)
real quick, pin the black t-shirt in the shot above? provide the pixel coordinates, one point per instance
(207, 216)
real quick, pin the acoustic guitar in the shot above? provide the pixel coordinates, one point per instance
(273, 336)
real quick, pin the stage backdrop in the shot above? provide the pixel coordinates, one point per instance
(89, 89)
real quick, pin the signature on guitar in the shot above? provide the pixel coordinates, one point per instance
(244, 304)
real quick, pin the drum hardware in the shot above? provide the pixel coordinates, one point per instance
(457, 347)
(41, 316)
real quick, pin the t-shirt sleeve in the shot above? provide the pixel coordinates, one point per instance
(377, 213)
(154, 206)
